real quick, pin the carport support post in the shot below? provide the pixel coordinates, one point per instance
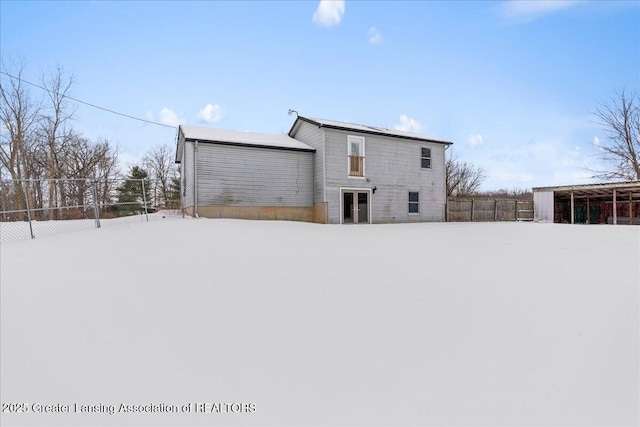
(573, 213)
(495, 210)
(516, 210)
(615, 211)
(630, 210)
(588, 213)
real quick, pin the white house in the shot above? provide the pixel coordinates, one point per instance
(322, 171)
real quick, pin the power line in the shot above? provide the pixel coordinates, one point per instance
(87, 103)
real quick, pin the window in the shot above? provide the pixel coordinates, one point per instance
(425, 160)
(414, 202)
(356, 155)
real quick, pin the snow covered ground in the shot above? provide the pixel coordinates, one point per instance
(412, 324)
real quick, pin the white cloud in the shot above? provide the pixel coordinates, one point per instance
(210, 113)
(532, 9)
(374, 36)
(474, 141)
(408, 124)
(596, 142)
(328, 13)
(528, 164)
(575, 152)
(169, 117)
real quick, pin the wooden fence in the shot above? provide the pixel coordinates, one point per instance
(483, 210)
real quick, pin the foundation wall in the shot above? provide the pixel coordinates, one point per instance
(316, 213)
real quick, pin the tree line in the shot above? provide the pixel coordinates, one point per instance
(48, 161)
(45, 162)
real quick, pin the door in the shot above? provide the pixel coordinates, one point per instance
(355, 207)
(363, 208)
(347, 208)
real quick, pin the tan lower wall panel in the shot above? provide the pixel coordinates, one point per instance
(268, 213)
(316, 213)
(321, 213)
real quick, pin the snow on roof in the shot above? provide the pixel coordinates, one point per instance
(281, 141)
(373, 129)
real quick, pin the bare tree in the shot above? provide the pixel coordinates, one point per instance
(159, 162)
(18, 116)
(621, 149)
(505, 193)
(463, 179)
(84, 160)
(106, 170)
(54, 127)
(38, 145)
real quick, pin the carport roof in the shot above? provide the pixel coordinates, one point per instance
(595, 190)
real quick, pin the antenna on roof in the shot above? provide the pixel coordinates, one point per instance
(292, 111)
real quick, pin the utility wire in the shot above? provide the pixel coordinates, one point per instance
(87, 103)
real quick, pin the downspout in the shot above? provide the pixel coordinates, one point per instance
(183, 180)
(195, 179)
(446, 200)
(324, 167)
(313, 186)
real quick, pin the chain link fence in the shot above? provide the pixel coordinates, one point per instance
(37, 208)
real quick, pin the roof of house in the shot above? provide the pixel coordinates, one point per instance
(234, 137)
(332, 124)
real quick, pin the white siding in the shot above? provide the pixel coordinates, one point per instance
(393, 166)
(248, 176)
(543, 206)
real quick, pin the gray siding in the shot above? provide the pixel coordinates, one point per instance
(314, 136)
(186, 171)
(248, 176)
(393, 166)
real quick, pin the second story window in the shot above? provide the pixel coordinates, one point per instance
(356, 155)
(425, 160)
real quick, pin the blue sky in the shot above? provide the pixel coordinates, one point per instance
(512, 84)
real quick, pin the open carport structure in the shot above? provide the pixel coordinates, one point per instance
(611, 203)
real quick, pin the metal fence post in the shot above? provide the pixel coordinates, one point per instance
(516, 210)
(96, 211)
(144, 199)
(26, 201)
(472, 208)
